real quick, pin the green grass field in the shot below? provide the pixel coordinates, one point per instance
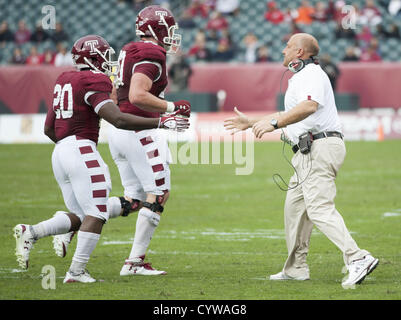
(221, 235)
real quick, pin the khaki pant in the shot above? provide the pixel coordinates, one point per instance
(312, 203)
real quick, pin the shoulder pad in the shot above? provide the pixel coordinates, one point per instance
(95, 81)
(139, 51)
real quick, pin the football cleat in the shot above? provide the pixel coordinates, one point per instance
(139, 268)
(83, 277)
(24, 244)
(61, 242)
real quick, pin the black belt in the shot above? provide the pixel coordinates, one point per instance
(320, 135)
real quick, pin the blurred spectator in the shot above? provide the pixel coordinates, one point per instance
(294, 29)
(364, 37)
(34, 57)
(321, 13)
(179, 73)
(342, 33)
(273, 14)
(290, 15)
(330, 68)
(5, 33)
(22, 35)
(305, 13)
(199, 51)
(394, 7)
(217, 22)
(186, 20)
(18, 57)
(212, 35)
(198, 7)
(228, 7)
(338, 14)
(331, 10)
(48, 57)
(63, 57)
(351, 54)
(392, 32)
(371, 54)
(224, 51)
(263, 54)
(370, 14)
(251, 47)
(59, 34)
(39, 35)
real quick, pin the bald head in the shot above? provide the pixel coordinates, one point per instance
(306, 42)
(301, 46)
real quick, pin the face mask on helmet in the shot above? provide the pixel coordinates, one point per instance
(173, 41)
(106, 65)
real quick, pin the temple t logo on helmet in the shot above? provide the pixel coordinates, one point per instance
(158, 23)
(91, 44)
(161, 14)
(94, 52)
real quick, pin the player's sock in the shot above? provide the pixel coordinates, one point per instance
(145, 226)
(85, 245)
(113, 207)
(60, 223)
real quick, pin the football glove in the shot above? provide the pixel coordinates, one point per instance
(183, 108)
(174, 122)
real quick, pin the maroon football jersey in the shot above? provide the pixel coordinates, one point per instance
(77, 97)
(147, 58)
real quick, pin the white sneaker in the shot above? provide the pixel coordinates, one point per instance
(24, 244)
(282, 276)
(139, 268)
(61, 242)
(83, 277)
(359, 269)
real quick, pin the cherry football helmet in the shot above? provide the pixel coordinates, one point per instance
(158, 23)
(94, 52)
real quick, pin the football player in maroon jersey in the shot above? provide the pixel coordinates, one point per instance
(81, 98)
(143, 156)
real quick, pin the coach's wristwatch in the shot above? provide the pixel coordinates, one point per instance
(274, 123)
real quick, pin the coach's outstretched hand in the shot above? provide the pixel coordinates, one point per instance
(174, 121)
(237, 123)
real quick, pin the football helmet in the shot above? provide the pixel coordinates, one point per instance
(158, 23)
(94, 52)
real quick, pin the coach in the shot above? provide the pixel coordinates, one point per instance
(313, 128)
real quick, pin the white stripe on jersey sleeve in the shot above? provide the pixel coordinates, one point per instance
(87, 95)
(152, 62)
(101, 104)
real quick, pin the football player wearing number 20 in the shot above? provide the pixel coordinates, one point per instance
(81, 98)
(143, 156)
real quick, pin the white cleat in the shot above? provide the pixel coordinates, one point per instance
(24, 244)
(282, 276)
(139, 268)
(359, 269)
(83, 277)
(61, 242)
